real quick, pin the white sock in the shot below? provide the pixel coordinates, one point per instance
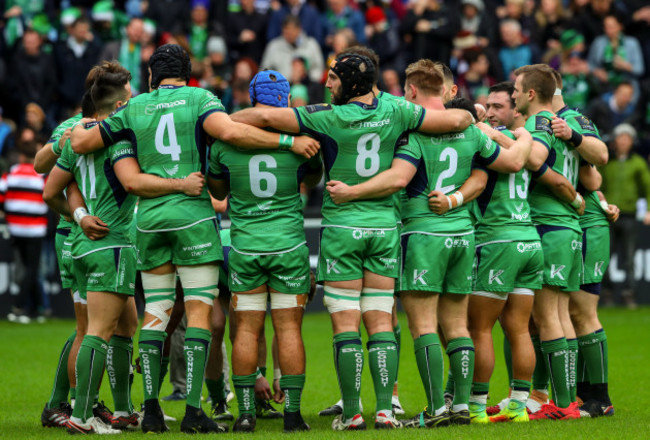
(459, 407)
(521, 396)
(440, 410)
(478, 398)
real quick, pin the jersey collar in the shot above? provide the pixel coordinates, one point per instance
(169, 86)
(366, 106)
(562, 110)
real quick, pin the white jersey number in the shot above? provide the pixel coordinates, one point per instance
(368, 156)
(452, 155)
(166, 124)
(86, 166)
(258, 176)
(571, 166)
(519, 191)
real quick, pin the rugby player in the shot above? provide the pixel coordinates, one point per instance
(446, 264)
(268, 255)
(177, 234)
(359, 243)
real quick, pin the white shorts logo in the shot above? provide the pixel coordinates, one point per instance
(419, 277)
(494, 277)
(331, 266)
(557, 271)
(235, 279)
(598, 269)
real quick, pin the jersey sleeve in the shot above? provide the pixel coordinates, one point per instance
(412, 114)
(208, 104)
(410, 151)
(120, 150)
(583, 125)
(67, 159)
(216, 170)
(539, 127)
(488, 150)
(314, 119)
(116, 127)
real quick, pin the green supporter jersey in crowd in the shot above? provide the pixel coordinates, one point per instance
(265, 204)
(56, 135)
(502, 212)
(357, 142)
(166, 130)
(545, 207)
(443, 164)
(103, 193)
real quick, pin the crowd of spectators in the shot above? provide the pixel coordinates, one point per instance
(601, 47)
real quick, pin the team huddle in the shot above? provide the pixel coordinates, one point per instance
(465, 222)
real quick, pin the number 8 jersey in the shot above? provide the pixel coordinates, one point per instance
(357, 142)
(165, 128)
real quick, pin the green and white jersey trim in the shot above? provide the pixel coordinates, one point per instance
(149, 231)
(259, 254)
(459, 234)
(100, 249)
(361, 229)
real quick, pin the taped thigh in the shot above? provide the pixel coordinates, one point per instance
(287, 300)
(249, 302)
(200, 283)
(159, 294)
(377, 299)
(338, 300)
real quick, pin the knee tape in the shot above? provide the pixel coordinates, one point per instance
(287, 301)
(338, 300)
(377, 299)
(159, 294)
(76, 297)
(249, 302)
(200, 282)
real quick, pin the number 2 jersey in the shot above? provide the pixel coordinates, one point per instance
(357, 142)
(103, 193)
(265, 204)
(166, 130)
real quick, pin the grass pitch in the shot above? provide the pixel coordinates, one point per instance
(29, 355)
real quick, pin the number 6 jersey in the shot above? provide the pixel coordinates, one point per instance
(165, 128)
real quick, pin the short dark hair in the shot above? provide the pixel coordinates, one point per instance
(472, 55)
(291, 19)
(463, 103)
(538, 77)
(28, 148)
(87, 105)
(505, 86)
(110, 86)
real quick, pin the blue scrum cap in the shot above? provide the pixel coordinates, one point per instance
(269, 87)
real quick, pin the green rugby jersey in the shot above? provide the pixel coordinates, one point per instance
(265, 204)
(594, 214)
(398, 195)
(502, 212)
(358, 142)
(103, 193)
(545, 207)
(443, 164)
(56, 135)
(166, 130)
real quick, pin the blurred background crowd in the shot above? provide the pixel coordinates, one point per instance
(601, 47)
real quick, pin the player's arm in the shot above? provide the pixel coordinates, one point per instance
(590, 178)
(561, 188)
(591, 148)
(220, 126)
(512, 158)
(53, 194)
(445, 121)
(471, 189)
(93, 227)
(383, 184)
(537, 158)
(85, 141)
(136, 182)
(47, 156)
(611, 211)
(283, 119)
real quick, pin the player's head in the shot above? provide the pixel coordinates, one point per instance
(451, 89)
(424, 79)
(350, 76)
(368, 53)
(87, 105)
(533, 84)
(463, 103)
(170, 61)
(269, 88)
(112, 87)
(500, 104)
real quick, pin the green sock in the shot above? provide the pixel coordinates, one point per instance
(349, 365)
(61, 381)
(150, 347)
(507, 355)
(540, 373)
(594, 350)
(197, 346)
(245, 391)
(556, 355)
(292, 385)
(397, 332)
(89, 369)
(450, 386)
(216, 389)
(428, 357)
(164, 368)
(479, 395)
(118, 367)
(573, 367)
(461, 363)
(382, 359)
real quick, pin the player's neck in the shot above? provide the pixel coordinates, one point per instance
(172, 82)
(431, 102)
(101, 116)
(536, 107)
(368, 98)
(558, 103)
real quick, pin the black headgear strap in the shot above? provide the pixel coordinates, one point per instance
(357, 75)
(169, 61)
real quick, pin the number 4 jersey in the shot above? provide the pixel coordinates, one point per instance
(166, 130)
(265, 205)
(357, 142)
